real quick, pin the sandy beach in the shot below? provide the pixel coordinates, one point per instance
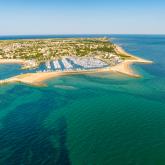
(125, 66)
(39, 78)
(12, 61)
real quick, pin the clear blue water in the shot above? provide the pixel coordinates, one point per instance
(10, 70)
(100, 119)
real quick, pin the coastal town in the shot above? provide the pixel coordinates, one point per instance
(42, 59)
(62, 54)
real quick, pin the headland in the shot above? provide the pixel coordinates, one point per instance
(65, 57)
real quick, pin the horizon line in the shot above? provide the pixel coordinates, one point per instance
(82, 34)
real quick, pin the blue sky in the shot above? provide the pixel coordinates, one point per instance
(82, 17)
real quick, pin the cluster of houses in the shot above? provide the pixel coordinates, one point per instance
(110, 58)
(73, 54)
(47, 49)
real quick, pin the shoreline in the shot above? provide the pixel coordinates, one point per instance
(24, 63)
(125, 66)
(13, 61)
(38, 79)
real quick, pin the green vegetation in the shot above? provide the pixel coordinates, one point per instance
(41, 50)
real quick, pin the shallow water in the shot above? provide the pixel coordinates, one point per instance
(98, 119)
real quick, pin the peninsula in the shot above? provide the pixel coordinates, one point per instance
(48, 58)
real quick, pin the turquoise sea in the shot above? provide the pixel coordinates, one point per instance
(96, 119)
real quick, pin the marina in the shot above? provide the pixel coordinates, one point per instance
(71, 64)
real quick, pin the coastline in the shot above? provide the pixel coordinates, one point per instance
(125, 66)
(38, 79)
(12, 61)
